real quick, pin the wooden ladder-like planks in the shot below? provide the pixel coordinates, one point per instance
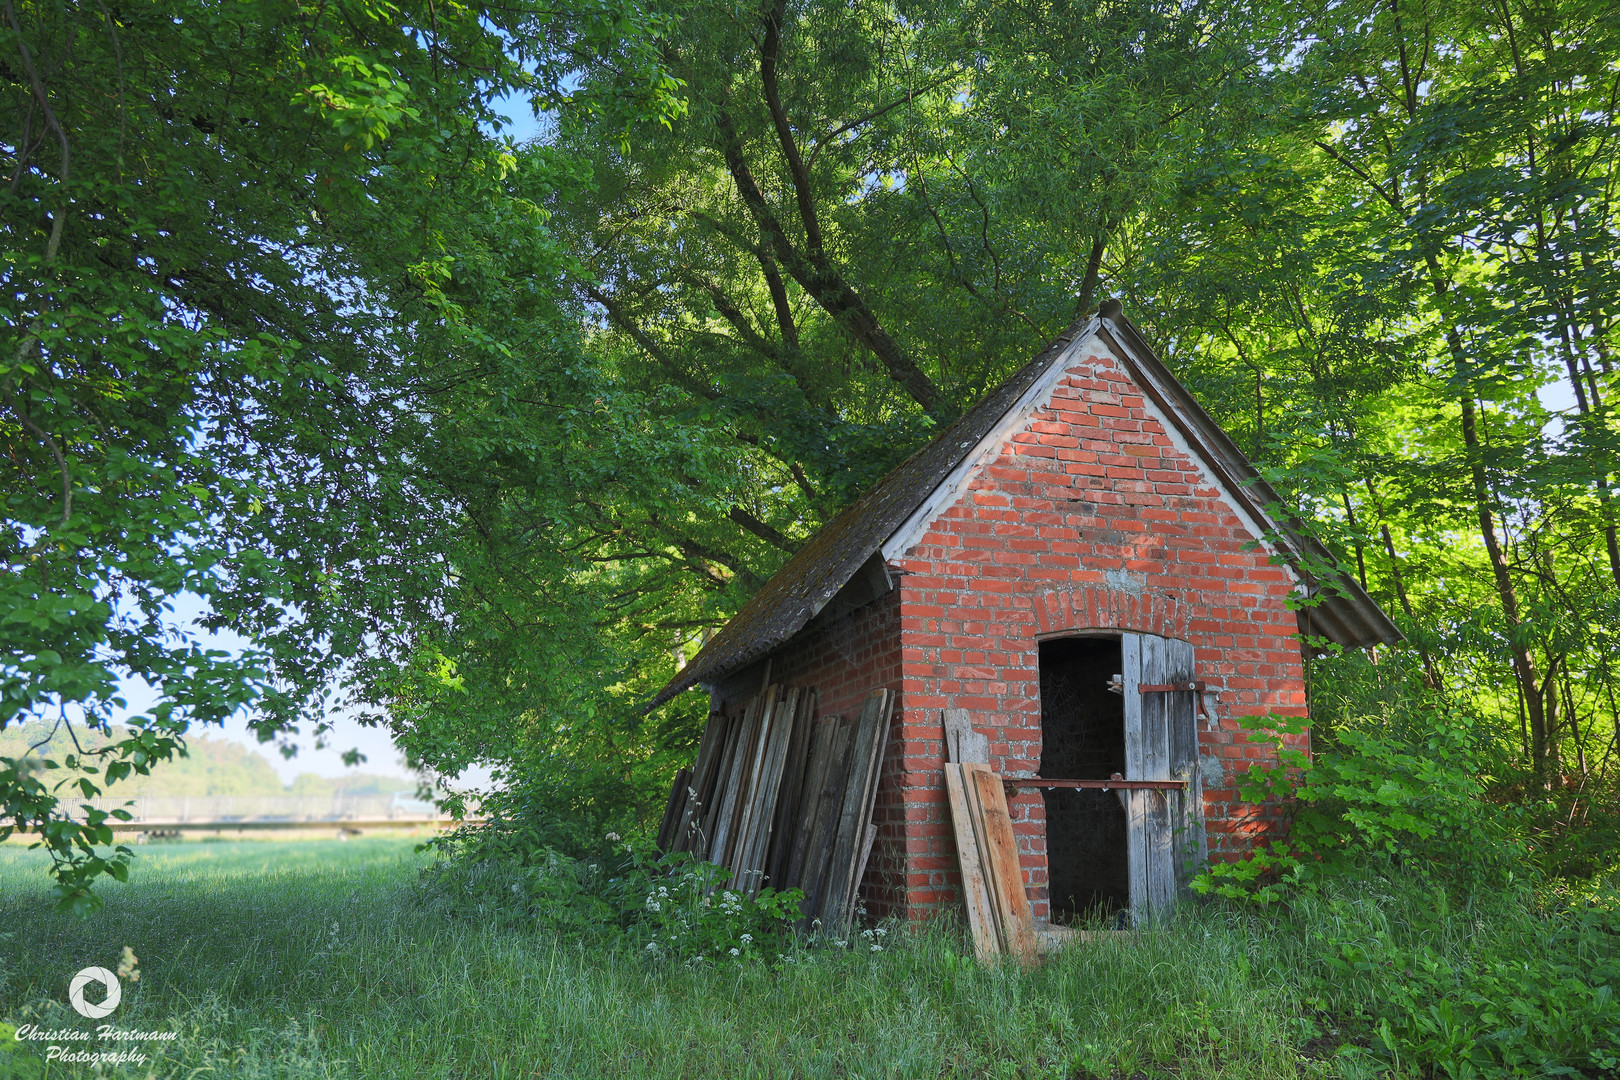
(783, 799)
(999, 915)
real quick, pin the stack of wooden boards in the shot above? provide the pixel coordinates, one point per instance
(782, 798)
(998, 909)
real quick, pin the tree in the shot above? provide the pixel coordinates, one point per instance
(228, 236)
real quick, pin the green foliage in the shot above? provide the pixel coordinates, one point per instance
(1499, 985)
(620, 895)
(1416, 805)
(228, 235)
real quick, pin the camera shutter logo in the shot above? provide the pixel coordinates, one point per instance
(94, 1010)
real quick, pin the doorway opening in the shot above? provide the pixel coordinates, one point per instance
(1083, 738)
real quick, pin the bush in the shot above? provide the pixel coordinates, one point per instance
(1417, 806)
(1501, 985)
(623, 894)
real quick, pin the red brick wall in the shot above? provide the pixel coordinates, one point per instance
(1090, 518)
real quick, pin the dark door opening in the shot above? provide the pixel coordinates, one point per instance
(1083, 738)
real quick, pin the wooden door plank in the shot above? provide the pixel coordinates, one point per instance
(1161, 871)
(1189, 841)
(981, 918)
(1155, 712)
(1130, 655)
(1006, 873)
(1140, 853)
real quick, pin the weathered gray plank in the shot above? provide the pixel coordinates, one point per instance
(815, 775)
(818, 853)
(851, 826)
(1130, 653)
(787, 802)
(725, 825)
(1189, 841)
(770, 787)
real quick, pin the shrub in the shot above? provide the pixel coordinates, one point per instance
(670, 907)
(1418, 805)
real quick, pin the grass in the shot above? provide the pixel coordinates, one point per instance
(317, 959)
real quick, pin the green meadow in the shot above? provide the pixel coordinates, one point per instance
(321, 959)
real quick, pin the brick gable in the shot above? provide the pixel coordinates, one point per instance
(1091, 517)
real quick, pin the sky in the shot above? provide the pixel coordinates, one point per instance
(382, 756)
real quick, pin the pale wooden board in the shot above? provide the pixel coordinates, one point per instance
(981, 918)
(963, 744)
(1006, 875)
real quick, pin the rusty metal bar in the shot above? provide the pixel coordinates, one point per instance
(1170, 688)
(1104, 785)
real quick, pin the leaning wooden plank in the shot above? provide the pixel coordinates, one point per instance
(748, 797)
(672, 808)
(981, 917)
(1007, 876)
(851, 825)
(1138, 848)
(787, 800)
(981, 843)
(868, 803)
(710, 749)
(751, 868)
(689, 819)
(824, 830)
(815, 774)
(852, 906)
(713, 790)
(725, 822)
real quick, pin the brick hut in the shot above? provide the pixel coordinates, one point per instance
(1086, 570)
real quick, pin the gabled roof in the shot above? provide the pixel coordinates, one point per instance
(835, 555)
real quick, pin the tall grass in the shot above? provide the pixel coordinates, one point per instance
(317, 959)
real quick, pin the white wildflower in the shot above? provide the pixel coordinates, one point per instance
(877, 948)
(652, 946)
(613, 838)
(880, 931)
(746, 938)
(736, 952)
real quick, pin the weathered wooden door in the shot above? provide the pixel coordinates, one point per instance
(1164, 829)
